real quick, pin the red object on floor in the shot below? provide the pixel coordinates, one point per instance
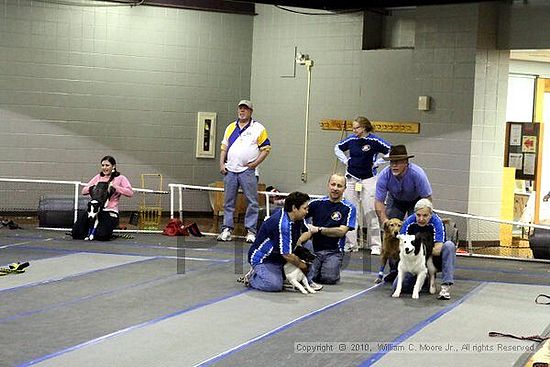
(175, 228)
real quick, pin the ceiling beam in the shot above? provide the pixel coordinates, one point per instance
(225, 6)
(335, 5)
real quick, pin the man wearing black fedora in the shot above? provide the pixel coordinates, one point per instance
(400, 186)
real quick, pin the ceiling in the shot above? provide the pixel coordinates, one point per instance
(530, 55)
(247, 7)
(335, 5)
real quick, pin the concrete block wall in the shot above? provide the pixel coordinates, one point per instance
(457, 63)
(77, 83)
(523, 25)
(382, 84)
(444, 61)
(489, 119)
(454, 61)
(345, 82)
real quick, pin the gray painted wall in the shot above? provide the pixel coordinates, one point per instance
(346, 82)
(80, 82)
(77, 83)
(455, 61)
(381, 84)
(524, 25)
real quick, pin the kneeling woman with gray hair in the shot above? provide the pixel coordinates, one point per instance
(444, 252)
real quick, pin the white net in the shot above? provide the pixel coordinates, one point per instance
(491, 237)
(24, 197)
(51, 204)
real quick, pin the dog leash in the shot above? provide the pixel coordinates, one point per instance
(542, 296)
(125, 236)
(10, 224)
(14, 268)
(533, 338)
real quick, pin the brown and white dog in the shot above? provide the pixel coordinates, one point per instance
(390, 245)
(415, 257)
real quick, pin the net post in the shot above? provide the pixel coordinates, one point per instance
(171, 201)
(180, 203)
(267, 208)
(75, 213)
(469, 235)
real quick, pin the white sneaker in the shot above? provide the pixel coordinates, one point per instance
(445, 292)
(349, 248)
(315, 286)
(250, 237)
(375, 250)
(225, 235)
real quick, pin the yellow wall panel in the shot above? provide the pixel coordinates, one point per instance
(507, 204)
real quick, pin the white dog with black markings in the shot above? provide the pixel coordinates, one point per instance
(295, 275)
(415, 257)
(100, 195)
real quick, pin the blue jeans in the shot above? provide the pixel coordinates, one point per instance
(249, 184)
(326, 267)
(448, 256)
(267, 277)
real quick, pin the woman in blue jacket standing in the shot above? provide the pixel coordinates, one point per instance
(363, 147)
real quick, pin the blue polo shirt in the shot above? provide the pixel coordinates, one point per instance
(276, 237)
(435, 227)
(325, 213)
(363, 152)
(413, 185)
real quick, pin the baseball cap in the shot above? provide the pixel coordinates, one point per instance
(245, 102)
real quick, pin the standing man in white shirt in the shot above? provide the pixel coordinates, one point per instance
(244, 147)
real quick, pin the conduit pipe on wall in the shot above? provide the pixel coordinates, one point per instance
(305, 60)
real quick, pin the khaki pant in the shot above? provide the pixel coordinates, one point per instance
(366, 215)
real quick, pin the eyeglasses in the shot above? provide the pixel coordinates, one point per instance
(398, 163)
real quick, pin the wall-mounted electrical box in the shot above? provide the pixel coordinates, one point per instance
(424, 103)
(206, 135)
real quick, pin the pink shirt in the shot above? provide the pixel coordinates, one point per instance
(120, 184)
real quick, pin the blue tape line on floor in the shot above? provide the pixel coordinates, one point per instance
(377, 356)
(493, 270)
(131, 328)
(222, 355)
(118, 253)
(92, 296)
(48, 281)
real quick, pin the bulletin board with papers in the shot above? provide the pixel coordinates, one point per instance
(521, 150)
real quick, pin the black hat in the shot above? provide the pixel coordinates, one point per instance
(398, 153)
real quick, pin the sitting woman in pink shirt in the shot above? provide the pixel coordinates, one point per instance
(108, 218)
